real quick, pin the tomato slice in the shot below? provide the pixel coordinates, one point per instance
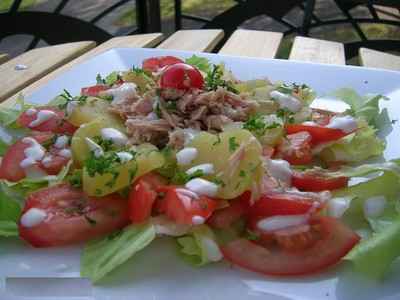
(72, 217)
(56, 163)
(153, 64)
(281, 204)
(142, 196)
(319, 134)
(186, 207)
(55, 124)
(10, 168)
(317, 182)
(239, 207)
(93, 91)
(335, 241)
(296, 148)
(181, 76)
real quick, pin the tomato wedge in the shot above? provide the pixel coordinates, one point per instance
(238, 208)
(319, 134)
(335, 241)
(186, 207)
(142, 196)
(153, 64)
(10, 168)
(94, 90)
(72, 217)
(317, 182)
(281, 204)
(296, 148)
(181, 76)
(56, 123)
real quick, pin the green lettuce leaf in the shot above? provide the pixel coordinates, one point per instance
(101, 256)
(366, 107)
(391, 166)
(374, 256)
(355, 147)
(200, 247)
(10, 211)
(200, 63)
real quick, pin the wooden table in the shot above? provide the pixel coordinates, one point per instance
(44, 64)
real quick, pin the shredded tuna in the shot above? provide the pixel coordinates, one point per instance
(141, 130)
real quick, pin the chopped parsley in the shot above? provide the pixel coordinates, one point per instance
(106, 145)
(293, 88)
(218, 181)
(157, 110)
(218, 141)
(180, 177)
(171, 105)
(214, 79)
(81, 100)
(233, 145)
(257, 125)
(242, 173)
(286, 115)
(75, 179)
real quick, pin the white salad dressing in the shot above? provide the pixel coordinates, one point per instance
(124, 91)
(198, 220)
(5, 136)
(46, 161)
(124, 156)
(286, 101)
(280, 170)
(34, 153)
(41, 117)
(337, 206)
(374, 206)
(97, 150)
(345, 123)
(33, 217)
(186, 156)
(65, 153)
(71, 105)
(211, 248)
(309, 123)
(202, 187)
(281, 222)
(31, 111)
(61, 142)
(34, 172)
(114, 135)
(206, 169)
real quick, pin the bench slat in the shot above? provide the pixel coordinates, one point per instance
(3, 58)
(193, 40)
(39, 62)
(253, 43)
(376, 59)
(318, 51)
(142, 40)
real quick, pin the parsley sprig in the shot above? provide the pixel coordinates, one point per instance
(233, 145)
(81, 100)
(214, 80)
(257, 125)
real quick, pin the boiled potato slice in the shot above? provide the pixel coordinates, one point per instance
(79, 147)
(92, 109)
(236, 156)
(147, 159)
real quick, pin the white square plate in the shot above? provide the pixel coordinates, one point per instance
(157, 272)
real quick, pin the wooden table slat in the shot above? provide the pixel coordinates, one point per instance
(376, 59)
(253, 43)
(3, 58)
(142, 40)
(193, 40)
(318, 51)
(39, 62)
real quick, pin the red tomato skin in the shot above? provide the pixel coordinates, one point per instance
(181, 76)
(56, 124)
(337, 240)
(93, 91)
(10, 168)
(153, 64)
(280, 204)
(181, 213)
(143, 195)
(319, 134)
(239, 207)
(315, 183)
(62, 228)
(296, 148)
(55, 166)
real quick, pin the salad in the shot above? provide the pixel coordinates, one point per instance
(242, 171)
